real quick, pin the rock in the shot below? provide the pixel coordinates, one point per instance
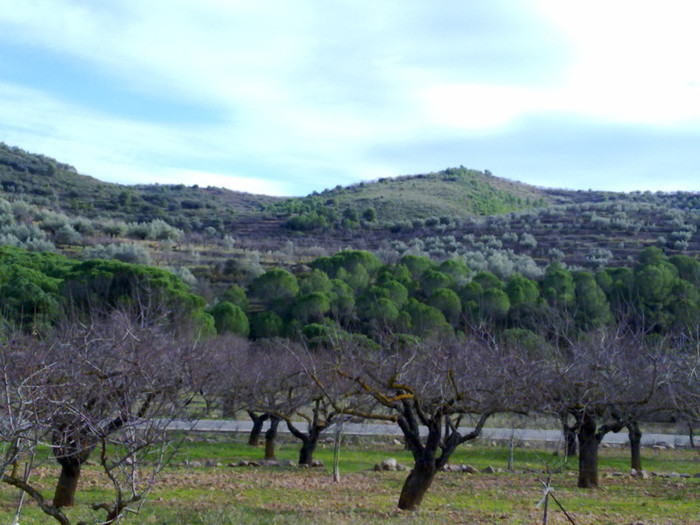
(194, 464)
(286, 463)
(697, 475)
(317, 463)
(209, 463)
(377, 467)
(254, 464)
(617, 474)
(469, 469)
(303, 465)
(488, 470)
(397, 443)
(644, 474)
(658, 447)
(634, 473)
(674, 475)
(685, 476)
(269, 463)
(389, 464)
(402, 468)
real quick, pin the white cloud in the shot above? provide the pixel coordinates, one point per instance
(632, 61)
(304, 90)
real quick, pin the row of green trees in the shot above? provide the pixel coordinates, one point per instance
(419, 296)
(38, 289)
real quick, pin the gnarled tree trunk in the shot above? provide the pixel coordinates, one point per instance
(64, 496)
(271, 437)
(306, 453)
(588, 453)
(258, 421)
(417, 484)
(309, 440)
(635, 437)
(569, 432)
(71, 449)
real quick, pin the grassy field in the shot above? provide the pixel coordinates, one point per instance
(208, 495)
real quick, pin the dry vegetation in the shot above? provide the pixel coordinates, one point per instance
(204, 495)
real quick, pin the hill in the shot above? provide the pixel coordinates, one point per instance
(43, 181)
(490, 222)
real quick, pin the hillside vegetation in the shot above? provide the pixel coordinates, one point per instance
(492, 223)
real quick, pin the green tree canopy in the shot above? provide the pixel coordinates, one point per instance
(230, 318)
(433, 279)
(558, 286)
(316, 281)
(487, 280)
(311, 307)
(275, 289)
(521, 290)
(592, 309)
(416, 265)
(266, 324)
(237, 296)
(448, 303)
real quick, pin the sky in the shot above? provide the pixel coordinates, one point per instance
(286, 97)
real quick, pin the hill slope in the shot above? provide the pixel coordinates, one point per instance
(455, 212)
(43, 181)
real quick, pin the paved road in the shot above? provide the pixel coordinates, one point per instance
(378, 429)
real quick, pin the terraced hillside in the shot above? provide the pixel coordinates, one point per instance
(489, 221)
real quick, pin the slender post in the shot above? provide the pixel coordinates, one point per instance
(510, 452)
(336, 450)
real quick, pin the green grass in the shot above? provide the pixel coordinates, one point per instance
(217, 495)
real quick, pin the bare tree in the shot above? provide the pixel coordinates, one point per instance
(607, 380)
(115, 382)
(279, 385)
(428, 389)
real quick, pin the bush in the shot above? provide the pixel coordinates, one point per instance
(66, 235)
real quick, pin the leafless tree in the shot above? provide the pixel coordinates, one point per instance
(283, 383)
(429, 389)
(606, 380)
(25, 377)
(112, 384)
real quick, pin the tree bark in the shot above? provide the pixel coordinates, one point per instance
(228, 407)
(306, 453)
(258, 421)
(588, 453)
(417, 484)
(569, 432)
(635, 437)
(67, 483)
(690, 434)
(271, 437)
(309, 440)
